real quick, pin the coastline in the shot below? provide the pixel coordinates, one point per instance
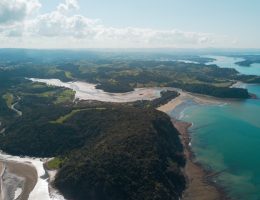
(200, 185)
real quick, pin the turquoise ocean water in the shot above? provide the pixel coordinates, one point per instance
(227, 138)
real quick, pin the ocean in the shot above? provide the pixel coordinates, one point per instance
(226, 138)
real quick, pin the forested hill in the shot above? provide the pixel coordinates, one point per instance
(105, 151)
(248, 60)
(136, 155)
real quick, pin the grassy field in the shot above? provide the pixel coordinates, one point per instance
(64, 118)
(9, 99)
(54, 163)
(65, 96)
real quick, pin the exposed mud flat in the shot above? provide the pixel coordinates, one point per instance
(88, 91)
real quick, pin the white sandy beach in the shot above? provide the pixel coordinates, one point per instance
(185, 96)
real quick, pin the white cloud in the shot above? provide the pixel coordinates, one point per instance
(139, 37)
(69, 5)
(64, 28)
(12, 11)
(56, 24)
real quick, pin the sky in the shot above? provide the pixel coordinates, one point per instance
(129, 24)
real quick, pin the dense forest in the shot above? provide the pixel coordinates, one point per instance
(249, 60)
(166, 96)
(130, 154)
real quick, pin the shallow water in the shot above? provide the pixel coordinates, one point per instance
(227, 138)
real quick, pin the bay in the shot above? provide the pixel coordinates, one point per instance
(230, 62)
(226, 139)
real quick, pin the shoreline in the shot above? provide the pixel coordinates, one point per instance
(196, 98)
(200, 185)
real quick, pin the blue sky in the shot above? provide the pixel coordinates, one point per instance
(136, 23)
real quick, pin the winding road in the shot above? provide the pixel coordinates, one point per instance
(19, 113)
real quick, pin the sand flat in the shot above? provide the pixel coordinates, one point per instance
(197, 98)
(27, 172)
(88, 91)
(17, 176)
